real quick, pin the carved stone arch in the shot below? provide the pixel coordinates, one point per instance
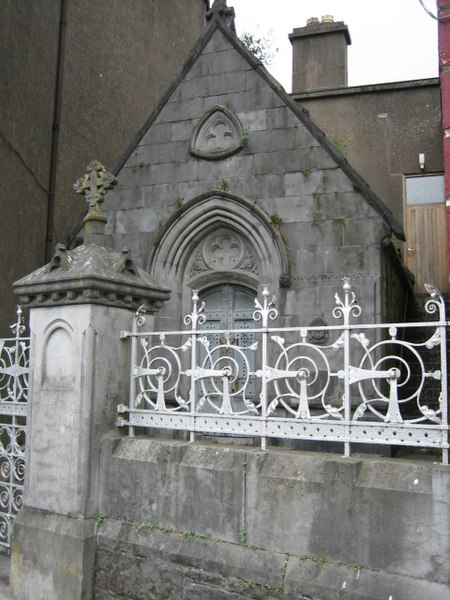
(210, 219)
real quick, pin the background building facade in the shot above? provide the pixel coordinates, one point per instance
(390, 133)
(77, 79)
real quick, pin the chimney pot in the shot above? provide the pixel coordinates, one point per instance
(319, 55)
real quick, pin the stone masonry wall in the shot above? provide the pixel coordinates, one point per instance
(214, 522)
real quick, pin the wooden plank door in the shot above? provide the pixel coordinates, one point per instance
(426, 241)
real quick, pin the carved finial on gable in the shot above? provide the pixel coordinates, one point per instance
(93, 186)
(223, 13)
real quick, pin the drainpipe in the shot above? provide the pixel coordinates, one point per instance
(49, 232)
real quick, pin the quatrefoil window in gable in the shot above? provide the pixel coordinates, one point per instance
(218, 135)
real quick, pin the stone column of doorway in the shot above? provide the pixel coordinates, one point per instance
(78, 303)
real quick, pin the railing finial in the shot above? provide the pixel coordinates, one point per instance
(197, 315)
(265, 311)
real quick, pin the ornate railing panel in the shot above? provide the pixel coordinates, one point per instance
(14, 372)
(348, 383)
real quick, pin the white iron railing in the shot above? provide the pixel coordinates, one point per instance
(14, 372)
(348, 383)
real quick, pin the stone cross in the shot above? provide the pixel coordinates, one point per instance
(94, 184)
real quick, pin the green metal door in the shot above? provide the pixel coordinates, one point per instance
(229, 307)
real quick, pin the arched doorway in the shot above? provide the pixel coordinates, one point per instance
(216, 237)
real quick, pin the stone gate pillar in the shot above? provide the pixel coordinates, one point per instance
(78, 303)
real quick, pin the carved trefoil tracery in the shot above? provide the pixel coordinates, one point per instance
(219, 134)
(223, 251)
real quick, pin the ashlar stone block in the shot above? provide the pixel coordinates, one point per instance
(141, 219)
(304, 183)
(157, 134)
(153, 154)
(175, 110)
(270, 141)
(267, 187)
(254, 120)
(281, 118)
(321, 159)
(226, 83)
(182, 130)
(173, 172)
(281, 161)
(227, 169)
(304, 137)
(217, 43)
(294, 210)
(258, 99)
(227, 61)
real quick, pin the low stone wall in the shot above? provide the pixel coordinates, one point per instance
(207, 521)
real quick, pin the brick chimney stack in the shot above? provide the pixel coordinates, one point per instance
(319, 55)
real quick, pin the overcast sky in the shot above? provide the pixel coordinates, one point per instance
(392, 40)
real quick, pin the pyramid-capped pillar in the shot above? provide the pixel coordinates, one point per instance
(79, 303)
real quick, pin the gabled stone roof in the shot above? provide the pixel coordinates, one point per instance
(216, 23)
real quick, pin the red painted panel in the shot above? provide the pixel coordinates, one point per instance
(447, 167)
(445, 99)
(444, 34)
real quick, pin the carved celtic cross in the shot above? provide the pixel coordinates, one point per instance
(94, 184)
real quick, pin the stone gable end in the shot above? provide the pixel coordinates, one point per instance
(282, 165)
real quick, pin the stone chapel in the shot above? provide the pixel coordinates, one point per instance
(228, 189)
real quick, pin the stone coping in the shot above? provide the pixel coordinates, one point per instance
(91, 274)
